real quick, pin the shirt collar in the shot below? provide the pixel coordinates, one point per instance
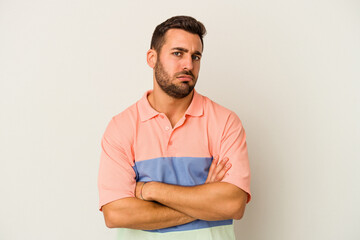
(146, 112)
(196, 108)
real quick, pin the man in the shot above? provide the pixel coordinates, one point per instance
(174, 165)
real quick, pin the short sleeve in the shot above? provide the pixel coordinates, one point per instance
(116, 177)
(233, 146)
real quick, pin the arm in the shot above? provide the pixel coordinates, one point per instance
(214, 201)
(139, 214)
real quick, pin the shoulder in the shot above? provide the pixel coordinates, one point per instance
(123, 125)
(219, 113)
(126, 118)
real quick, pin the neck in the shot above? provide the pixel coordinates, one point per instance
(173, 108)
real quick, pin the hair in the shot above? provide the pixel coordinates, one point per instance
(186, 23)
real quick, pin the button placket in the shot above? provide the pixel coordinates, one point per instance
(170, 146)
(167, 130)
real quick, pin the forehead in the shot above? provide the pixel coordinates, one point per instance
(178, 38)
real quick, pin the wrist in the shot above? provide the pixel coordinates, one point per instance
(141, 191)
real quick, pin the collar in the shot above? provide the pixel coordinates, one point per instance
(196, 108)
(146, 112)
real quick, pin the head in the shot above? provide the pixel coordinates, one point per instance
(186, 23)
(175, 54)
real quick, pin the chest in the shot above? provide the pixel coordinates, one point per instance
(190, 137)
(180, 155)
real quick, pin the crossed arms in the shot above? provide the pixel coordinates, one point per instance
(159, 205)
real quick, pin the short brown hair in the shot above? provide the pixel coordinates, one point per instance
(186, 23)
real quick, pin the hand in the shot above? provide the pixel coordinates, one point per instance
(217, 171)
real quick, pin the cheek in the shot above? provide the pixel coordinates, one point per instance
(172, 67)
(196, 68)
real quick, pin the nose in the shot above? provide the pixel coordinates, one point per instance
(187, 62)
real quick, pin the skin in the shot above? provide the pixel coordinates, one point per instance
(163, 205)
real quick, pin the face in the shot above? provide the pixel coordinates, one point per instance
(178, 63)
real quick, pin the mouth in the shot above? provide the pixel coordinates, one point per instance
(185, 78)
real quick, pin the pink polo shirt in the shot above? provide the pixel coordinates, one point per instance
(139, 144)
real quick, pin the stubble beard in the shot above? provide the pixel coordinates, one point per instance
(165, 82)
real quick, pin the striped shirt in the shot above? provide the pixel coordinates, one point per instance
(139, 144)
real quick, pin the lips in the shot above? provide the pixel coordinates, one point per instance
(185, 77)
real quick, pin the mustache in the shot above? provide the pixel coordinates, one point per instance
(185, 73)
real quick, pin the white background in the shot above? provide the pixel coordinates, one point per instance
(289, 69)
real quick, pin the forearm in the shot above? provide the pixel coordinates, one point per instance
(214, 201)
(138, 214)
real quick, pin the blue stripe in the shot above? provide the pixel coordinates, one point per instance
(184, 171)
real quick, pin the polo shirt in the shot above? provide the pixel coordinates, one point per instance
(139, 144)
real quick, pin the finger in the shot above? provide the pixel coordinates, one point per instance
(212, 168)
(213, 164)
(220, 176)
(218, 168)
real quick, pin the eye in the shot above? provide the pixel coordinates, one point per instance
(195, 57)
(177, 54)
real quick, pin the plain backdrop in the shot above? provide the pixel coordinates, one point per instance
(289, 69)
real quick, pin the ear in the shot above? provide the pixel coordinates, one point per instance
(151, 57)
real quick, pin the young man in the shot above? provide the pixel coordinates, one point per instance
(174, 165)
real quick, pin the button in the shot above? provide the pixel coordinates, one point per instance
(167, 128)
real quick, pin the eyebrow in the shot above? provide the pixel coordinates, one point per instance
(186, 50)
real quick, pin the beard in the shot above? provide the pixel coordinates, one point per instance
(165, 82)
